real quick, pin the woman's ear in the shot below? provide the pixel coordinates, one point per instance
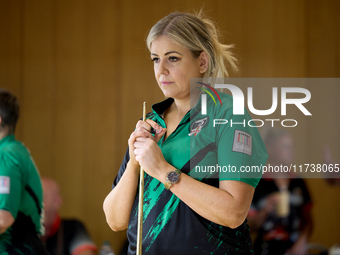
(204, 62)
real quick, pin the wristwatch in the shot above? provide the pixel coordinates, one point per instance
(172, 177)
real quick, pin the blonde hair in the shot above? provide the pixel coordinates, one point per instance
(196, 33)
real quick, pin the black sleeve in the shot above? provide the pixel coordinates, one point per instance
(122, 168)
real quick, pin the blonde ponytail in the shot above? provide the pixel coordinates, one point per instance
(222, 53)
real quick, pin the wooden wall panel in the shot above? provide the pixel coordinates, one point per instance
(37, 79)
(10, 54)
(11, 21)
(70, 103)
(102, 83)
(289, 39)
(322, 60)
(81, 70)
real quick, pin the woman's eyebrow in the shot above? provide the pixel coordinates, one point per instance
(154, 54)
(172, 52)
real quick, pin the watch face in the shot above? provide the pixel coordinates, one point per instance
(173, 177)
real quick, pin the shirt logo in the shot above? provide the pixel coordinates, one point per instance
(4, 184)
(197, 126)
(243, 142)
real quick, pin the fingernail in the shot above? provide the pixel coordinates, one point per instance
(159, 130)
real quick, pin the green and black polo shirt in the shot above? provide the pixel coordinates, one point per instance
(169, 225)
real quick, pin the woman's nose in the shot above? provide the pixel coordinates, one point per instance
(162, 68)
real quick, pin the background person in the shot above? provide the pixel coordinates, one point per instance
(186, 215)
(21, 195)
(280, 234)
(63, 236)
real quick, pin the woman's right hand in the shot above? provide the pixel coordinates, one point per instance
(143, 129)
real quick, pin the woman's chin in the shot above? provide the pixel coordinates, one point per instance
(176, 94)
(168, 93)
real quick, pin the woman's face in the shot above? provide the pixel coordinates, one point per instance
(174, 65)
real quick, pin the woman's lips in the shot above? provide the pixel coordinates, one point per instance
(166, 82)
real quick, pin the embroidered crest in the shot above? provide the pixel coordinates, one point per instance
(197, 126)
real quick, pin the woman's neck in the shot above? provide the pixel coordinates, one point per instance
(180, 107)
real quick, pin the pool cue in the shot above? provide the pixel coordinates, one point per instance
(141, 200)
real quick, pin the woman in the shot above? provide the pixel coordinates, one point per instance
(182, 214)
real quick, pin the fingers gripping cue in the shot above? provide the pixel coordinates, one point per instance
(141, 199)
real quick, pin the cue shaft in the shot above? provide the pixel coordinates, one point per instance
(141, 199)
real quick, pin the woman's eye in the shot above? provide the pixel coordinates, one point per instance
(155, 60)
(173, 59)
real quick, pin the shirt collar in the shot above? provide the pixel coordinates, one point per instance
(159, 108)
